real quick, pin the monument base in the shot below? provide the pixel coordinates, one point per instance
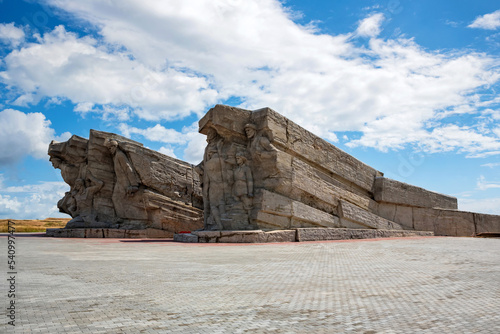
(149, 233)
(295, 235)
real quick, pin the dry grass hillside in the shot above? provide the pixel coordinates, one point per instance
(37, 225)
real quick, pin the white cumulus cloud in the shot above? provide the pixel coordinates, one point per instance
(189, 140)
(34, 201)
(164, 60)
(370, 26)
(10, 34)
(488, 21)
(87, 73)
(24, 134)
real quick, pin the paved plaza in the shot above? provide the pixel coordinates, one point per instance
(405, 285)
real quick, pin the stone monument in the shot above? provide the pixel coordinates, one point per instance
(120, 188)
(263, 178)
(262, 172)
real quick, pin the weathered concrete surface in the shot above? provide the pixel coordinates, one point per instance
(454, 222)
(444, 222)
(349, 171)
(392, 191)
(278, 211)
(400, 214)
(440, 221)
(317, 234)
(487, 223)
(117, 183)
(149, 233)
(357, 215)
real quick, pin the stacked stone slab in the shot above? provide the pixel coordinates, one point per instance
(116, 185)
(289, 178)
(415, 208)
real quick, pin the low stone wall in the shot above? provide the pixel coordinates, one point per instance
(299, 235)
(440, 221)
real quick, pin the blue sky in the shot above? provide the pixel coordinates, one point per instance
(408, 87)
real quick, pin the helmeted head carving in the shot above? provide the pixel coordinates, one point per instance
(112, 145)
(250, 130)
(240, 158)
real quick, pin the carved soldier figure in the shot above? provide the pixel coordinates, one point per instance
(212, 170)
(261, 150)
(126, 205)
(243, 182)
(214, 183)
(258, 144)
(69, 172)
(82, 196)
(126, 178)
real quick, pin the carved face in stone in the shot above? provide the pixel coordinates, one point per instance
(56, 163)
(250, 131)
(112, 145)
(240, 160)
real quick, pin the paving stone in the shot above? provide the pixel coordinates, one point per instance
(410, 285)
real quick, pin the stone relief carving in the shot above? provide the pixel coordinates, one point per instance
(69, 172)
(243, 182)
(263, 153)
(227, 184)
(228, 181)
(117, 183)
(211, 170)
(259, 145)
(126, 185)
(81, 201)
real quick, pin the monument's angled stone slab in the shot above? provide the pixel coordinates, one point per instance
(357, 215)
(278, 211)
(316, 150)
(118, 184)
(392, 191)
